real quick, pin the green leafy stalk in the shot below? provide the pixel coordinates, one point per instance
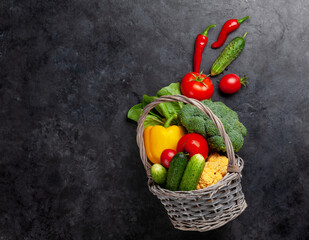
(169, 120)
(164, 113)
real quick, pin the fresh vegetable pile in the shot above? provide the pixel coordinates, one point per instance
(184, 145)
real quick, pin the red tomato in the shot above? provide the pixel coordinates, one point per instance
(193, 143)
(196, 85)
(231, 83)
(166, 157)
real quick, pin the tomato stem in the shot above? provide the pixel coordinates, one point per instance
(243, 81)
(198, 78)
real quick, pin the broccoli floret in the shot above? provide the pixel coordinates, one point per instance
(197, 122)
(194, 123)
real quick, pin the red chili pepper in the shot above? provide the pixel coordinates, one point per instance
(200, 43)
(228, 27)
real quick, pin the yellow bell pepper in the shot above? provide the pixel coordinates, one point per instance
(158, 138)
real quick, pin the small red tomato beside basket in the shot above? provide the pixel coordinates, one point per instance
(231, 83)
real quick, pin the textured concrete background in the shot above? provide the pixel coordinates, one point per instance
(70, 71)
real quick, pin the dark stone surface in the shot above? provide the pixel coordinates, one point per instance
(70, 71)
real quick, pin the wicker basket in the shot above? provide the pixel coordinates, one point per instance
(208, 208)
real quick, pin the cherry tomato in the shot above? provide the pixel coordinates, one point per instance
(193, 143)
(166, 157)
(196, 85)
(231, 83)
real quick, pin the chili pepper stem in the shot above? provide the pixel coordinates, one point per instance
(169, 120)
(245, 35)
(207, 29)
(242, 19)
(243, 81)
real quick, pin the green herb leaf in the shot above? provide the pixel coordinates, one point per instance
(152, 120)
(135, 112)
(147, 99)
(161, 112)
(169, 109)
(172, 89)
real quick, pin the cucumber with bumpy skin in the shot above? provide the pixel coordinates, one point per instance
(192, 173)
(228, 55)
(175, 171)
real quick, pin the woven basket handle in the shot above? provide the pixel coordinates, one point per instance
(232, 166)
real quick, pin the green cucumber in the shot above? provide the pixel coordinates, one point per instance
(158, 173)
(192, 173)
(228, 55)
(175, 171)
